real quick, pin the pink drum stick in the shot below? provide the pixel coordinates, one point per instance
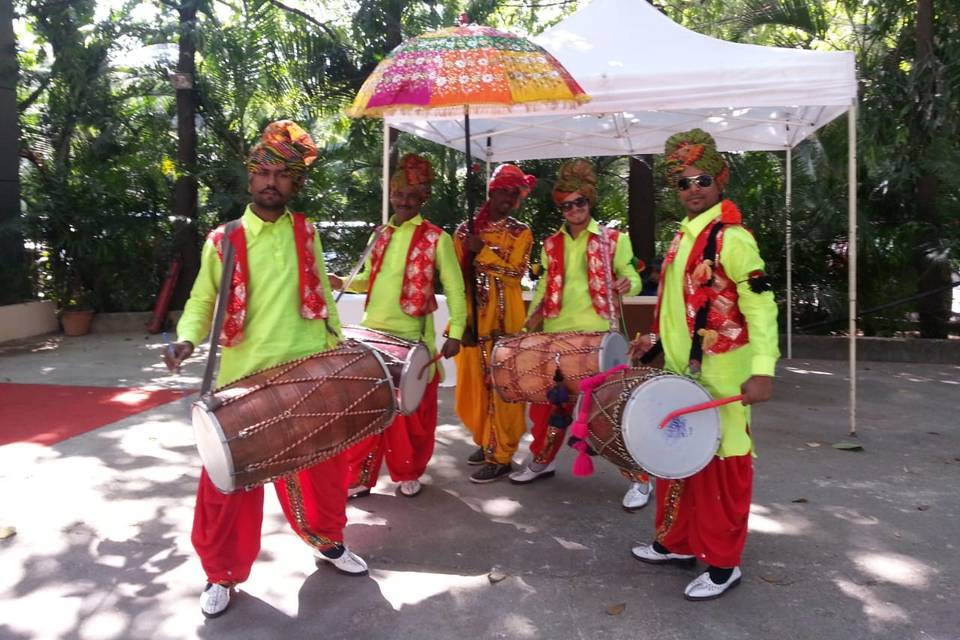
(673, 415)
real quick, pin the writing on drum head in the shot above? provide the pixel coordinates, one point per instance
(677, 429)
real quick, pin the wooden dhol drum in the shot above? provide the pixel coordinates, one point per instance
(624, 423)
(404, 359)
(288, 417)
(523, 365)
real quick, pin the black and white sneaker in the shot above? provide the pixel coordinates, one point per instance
(703, 588)
(214, 600)
(476, 458)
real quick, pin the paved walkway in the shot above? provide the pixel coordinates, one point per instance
(843, 545)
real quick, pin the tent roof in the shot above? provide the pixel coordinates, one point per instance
(649, 78)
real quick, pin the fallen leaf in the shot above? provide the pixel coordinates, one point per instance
(7, 532)
(616, 609)
(496, 575)
(813, 444)
(800, 500)
(923, 507)
(848, 446)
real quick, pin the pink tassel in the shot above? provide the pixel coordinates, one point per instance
(583, 464)
(579, 429)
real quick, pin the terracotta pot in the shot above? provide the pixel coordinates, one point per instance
(76, 323)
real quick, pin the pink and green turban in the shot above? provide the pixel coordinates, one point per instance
(696, 148)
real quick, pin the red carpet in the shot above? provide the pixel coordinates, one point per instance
(48, 413)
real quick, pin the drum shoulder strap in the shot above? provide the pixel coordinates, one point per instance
(229, 259)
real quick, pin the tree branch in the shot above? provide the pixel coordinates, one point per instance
(306, 16)
(29, 100)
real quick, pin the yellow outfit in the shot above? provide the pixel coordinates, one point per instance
(497, 426)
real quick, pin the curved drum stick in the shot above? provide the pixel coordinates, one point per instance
(359, 265)
(673, 415)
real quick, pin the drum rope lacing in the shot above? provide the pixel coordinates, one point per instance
(550, 352)
(289, 412)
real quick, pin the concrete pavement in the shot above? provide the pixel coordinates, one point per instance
(843, 544)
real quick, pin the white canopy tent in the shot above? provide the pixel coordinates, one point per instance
(648, 78)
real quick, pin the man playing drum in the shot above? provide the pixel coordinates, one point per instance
(495, 258)
(570, 297)
(717, 322)
(278, 309)
(399, 275)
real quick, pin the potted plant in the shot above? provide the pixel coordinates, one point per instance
(76, 313)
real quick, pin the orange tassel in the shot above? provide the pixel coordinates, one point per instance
(709, 338)
(703, 272)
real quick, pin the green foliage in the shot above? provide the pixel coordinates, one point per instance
(98, 127)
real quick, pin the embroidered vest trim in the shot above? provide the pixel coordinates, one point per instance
(596, 277)
(710, 297)
(313, 304)
(417, 295)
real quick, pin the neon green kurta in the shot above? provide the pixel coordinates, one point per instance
(576, 310)
(383, 311)
(274, 331)
(722, 374)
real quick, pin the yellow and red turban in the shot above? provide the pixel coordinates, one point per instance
(284, 142)
(510, 176)
(413, 171)
(575, 176)
(696, 148)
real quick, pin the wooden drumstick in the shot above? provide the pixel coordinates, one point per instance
(673, 415)
(435, 359)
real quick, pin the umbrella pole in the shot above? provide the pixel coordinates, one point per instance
(471, 205)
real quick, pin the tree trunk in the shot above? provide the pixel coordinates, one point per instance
(186, 243)
(641, 214)
(13, 267)
(932, 268)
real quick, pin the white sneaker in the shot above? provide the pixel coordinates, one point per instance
(410, 488)
(646, 553)
(348, 563)
(532, 472)
(214, 600)
(637, 496)
(703, 588)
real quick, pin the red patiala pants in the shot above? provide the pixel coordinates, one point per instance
(226, 528)
(547, 440)
(706, 514)
(407, 444)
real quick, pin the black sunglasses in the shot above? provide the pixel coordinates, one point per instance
(703, 181)
(579, 202)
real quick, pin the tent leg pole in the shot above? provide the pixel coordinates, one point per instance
(852, 259)
(789, 242)
(385, 198)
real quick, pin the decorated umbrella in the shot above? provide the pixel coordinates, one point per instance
(461, 70)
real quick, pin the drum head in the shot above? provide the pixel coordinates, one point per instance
(683, 447)
(413, 387)
(211, 444)
(613, 351)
